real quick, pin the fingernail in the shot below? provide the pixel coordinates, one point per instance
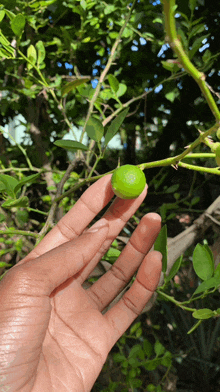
(98, 225)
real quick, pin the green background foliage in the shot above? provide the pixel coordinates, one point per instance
(109, 68)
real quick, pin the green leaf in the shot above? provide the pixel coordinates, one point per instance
(4, 265)
(114, 83)
(167, 359)
(170, 66)
(183, 38)
(2, 217)
(199, 28)
(210, 255)
(134, 327)
(10, 14)
(172, 95)
(119, 357)
(17, 24)
(5, 54)
(2, 14)
(40, 52)
(161, 246)
(121, 90)
(111, 255)
(83, 4)
(211, 283)
(158, 20)
(70, 145)
(203, 314)
(32, 56)
(158, 348)
(25, 180)
(22, 216)
(9, 184)
(94, 129)
(109, 9)
(195, 200)
(192, 4)
(106, 94)
(2, 187)
(136, 351)
(196, 45)
(4, 41)
(85, 40)
(21, 202)
(172, 188)
(175, 268)
(148, 348)
(217, 272)
(115, 125)
(72, 85)
(41, 4)
(152, 364)
(207, 55)
(203, 262)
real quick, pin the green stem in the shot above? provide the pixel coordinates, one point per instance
(19, 232)
(177, 303)
(46, 85)
(199, 77)
(94, 166)
(200, 168)
(38, 211)
(104, 73)
(200, 155)
(176, 160)
(21, 148)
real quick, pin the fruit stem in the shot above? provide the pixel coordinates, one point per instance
(176, 45)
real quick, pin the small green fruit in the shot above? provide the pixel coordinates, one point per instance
(128, 181)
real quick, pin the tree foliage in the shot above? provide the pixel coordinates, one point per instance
(108, 68)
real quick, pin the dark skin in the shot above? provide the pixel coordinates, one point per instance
(54, 336)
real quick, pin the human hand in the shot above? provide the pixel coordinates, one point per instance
(53, 335)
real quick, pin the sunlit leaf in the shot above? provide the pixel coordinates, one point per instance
(21, 202)
(32, 56)
(94, 129)
(114, 83)
(17, 24)
(203, 314)
(40, 52)
(9, 184)
(121, 90)
(2, 14)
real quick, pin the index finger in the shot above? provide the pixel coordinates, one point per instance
(71, 225)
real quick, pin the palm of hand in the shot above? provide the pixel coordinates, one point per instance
(76, 344)
(54, 336)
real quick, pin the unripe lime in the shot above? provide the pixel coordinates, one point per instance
(128, 182)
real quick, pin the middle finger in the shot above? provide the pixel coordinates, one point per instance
(113, 281)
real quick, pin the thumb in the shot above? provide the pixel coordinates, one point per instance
(50, 270)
